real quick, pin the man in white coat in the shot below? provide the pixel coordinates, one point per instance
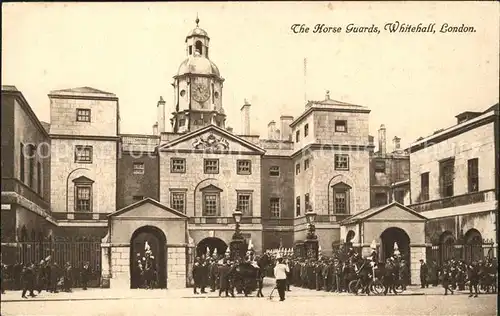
(280, 271)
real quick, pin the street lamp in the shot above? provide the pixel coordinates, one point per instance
(67, 184)
(310, 216)
(311, 243)
(238, 239)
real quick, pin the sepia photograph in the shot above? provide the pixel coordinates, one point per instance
(250, 158)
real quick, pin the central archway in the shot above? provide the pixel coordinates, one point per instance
(157, 242)
(395, 235)
(211, 243)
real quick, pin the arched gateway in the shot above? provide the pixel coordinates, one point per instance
(392, 236)
(156, 241)
(211, 243)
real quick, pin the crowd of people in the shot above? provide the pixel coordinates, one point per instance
(225, 274)
(46, 275)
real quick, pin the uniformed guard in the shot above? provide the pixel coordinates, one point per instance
(473, 275)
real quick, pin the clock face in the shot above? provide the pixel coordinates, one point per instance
(201, 91)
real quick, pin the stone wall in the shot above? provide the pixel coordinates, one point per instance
(120, 267)
(227, 179)
(476, 143)
(416, 253)
(176, 267)
(102, 171)
(103, 120)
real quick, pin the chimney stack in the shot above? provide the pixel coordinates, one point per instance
(397, 143)
(382, 149)
(271, 130)
(286, 130)
(161, 115)
(155, 128)
(229, 129)
(245, 118)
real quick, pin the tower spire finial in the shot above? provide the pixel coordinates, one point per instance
(197, 19)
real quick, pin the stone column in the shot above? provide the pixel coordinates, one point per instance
(189, 265)
(416, 253)
(176, 267)
(105, 265)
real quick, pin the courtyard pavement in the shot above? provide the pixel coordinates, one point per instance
(414, 301)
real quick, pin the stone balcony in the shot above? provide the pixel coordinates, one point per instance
(454, 201)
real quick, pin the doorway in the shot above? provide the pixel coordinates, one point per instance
(211, 243)
(156, 240)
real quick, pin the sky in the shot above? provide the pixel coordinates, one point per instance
(414, 83)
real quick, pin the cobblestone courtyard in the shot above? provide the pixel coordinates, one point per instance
(299, 302)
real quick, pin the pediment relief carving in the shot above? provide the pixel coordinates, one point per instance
(211, 142)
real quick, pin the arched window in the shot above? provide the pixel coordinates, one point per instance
(341, 196)
(198, 47)
(473, 248)
(446, 247)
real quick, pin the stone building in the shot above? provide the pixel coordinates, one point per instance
(26, 174)
(389, 173)
(454, 183)
(177, 187)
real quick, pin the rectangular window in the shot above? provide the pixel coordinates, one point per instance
(210, 204)
(182, 122)
(341, 126)
(380, 166)
(473, 174)
(137, 198)
(22, 162)
(83, 115)
(244, 167)
(138, 168)
(211, 166)
(297, 136)
(39, 178)
(274, 171)
(83, 198)
(424, 186)
(306, 202)
(447, 177)
(244, 203)
(340, 202)
(306, 164)
(380, 199)
(297, 206)
(177, 165)
(178, 201)
(297, 168)
(31, 166)
(83, 154)
(306, 130)
(399, 196)
(341, 162)
(275, 207)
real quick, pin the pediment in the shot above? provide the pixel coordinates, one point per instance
(211, 139)
(146, 209)
(396, 212)
(391, 212)
(83, 179)
(211, 188)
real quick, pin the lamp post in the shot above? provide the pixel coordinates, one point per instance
(67, 184)
(238, 240)
(311, 243)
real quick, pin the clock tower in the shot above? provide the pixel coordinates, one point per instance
(197, 87)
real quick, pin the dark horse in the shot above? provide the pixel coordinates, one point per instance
(246, 274)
